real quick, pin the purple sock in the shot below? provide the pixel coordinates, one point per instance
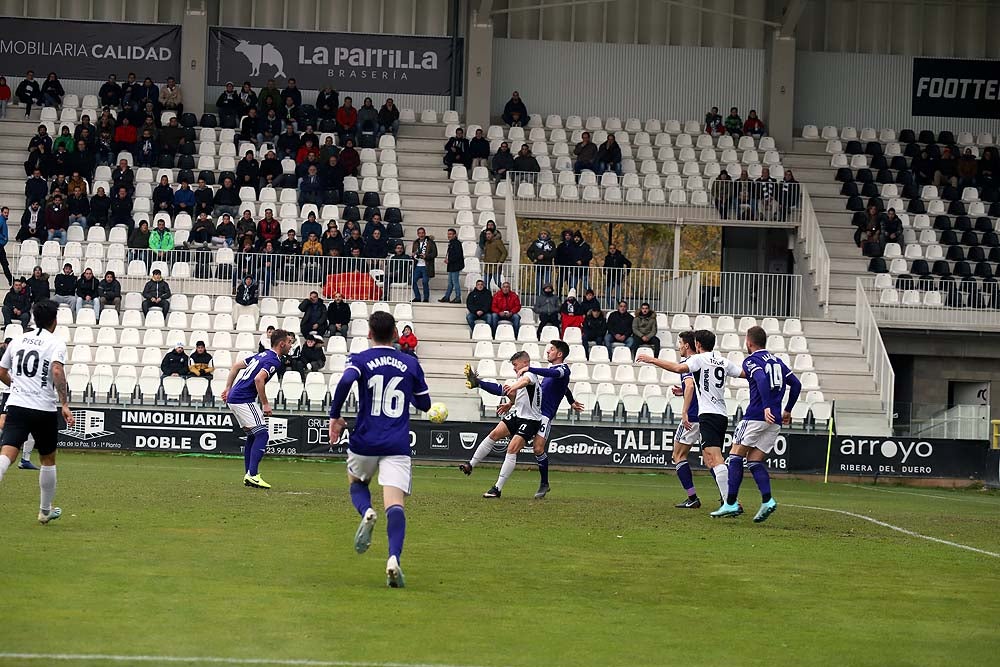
(257, 451)
(735, 478)
(686, 478)
(247, 447)
(759, 471)
(361, 496)
(396, 529)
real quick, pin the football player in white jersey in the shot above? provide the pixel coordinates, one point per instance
(710, 371)
(32, 366)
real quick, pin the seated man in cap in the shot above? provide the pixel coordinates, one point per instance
(176, 362)
(201, 361)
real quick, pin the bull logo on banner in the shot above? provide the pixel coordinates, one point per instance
(262, 54)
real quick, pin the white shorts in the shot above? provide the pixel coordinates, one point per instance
(248, 415)
(759, 435)
(393, 471)
(688, 436)
(545, 429)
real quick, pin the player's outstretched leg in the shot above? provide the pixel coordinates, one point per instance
(396, 531)
(253, 477)
(482, 451)
(683, 469)
(731, 506)
(361, 497)
(26, 450)
(767, 505)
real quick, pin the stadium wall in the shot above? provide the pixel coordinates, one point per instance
(627, 80)
(865, 90)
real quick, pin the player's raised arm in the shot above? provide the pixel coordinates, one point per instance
(666, 365)
(521, 382)
(551, 372)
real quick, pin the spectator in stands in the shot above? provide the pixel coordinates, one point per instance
(312, 247)
(376, 247)
(968, 168)
(947, 169)
(494, 255)
(581, 256)
(526, 163)
(33, 223)
(245, 298)
(201, 361)
(250, 126)
(616, 270)
(184, 200)
(789, 195)
(76, 181)
(338, 316)
(138, 242)
(506, 307)
(585, 153)
(40, 160)
(36, 189)
(229, 106)
(60, 186)
(268, 127)
(424, 252)
(589, 302)
(454, 263)
(491, 226)
(290, 247)
(313, 315)
(245, 226)
(595, 329)
(202, 231)
(310, 357)
(37, 285)
(5, 96)
(148, 94)
(17, 305)
(869, 236)
(88, 294)
(479, 150)
(57, 220)
(354, 245)
(65, 139)
(609, 156)
(289, 114)
(479, 303)
(123, 177)
(41, 138)
(268, 229)
(125, 136)
(28, 92)
(121, 210)
(110, 291)
(307, 149)
(156, 294)
(79, 208)
(161, 242)
(176, 362)
(564, 259)
(328, 149)
(619, 328)
(311, 190)
(270, 90)
(347, 121)
(457, 151)
(248, 98)
(327, 101)
(331, 176)
(644, 330)
(332, 240)
(248, 172)
(104, 152)
(989, 173)
(734, 124)
(399, 268)
(571, 312)
(170, 97)
(515, 114)
(84, 161)
(766, 188)
(225, 232)
(110, 93)
(288, 144)
(227, 199)
(754, 126)
(311, 226)
(503, 162)
(265, 340)
(407, 341)
(388, 118)
(65, 287)
(546, 307)
(349, 158)
(4, 238)
(375, 224)
(52, 91)
(292, 90)
(145, 150)
(743, 197)
(130, 86)
(62, 161)
(892, 228)
(204, 199)
(163, 197)
(541, 253)
(923, 167)
(367, 125)
(714, 124)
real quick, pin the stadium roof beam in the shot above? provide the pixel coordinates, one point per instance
(677, 3)
(791, 15)
(540, 5)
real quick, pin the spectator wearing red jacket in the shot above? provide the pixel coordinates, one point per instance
(347, 121)
(408, 341)
(506, 306)
(305, 150)
(125, 136)
(268, 229)
(753, 125)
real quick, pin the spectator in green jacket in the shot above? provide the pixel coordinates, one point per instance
(161, 241)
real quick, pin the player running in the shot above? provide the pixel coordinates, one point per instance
(520, 424)
(389, 381)
(32, 366)
(246, 383)
(689, 431)
(757, 432)
(710, 371)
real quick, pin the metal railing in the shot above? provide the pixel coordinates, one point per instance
(816, 254)
(958, 422)
(875, 352)
(655, 198)
(666, 290)
(961, 305)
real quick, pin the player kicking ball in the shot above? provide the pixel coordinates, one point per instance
(388, 382)
(758, 431)
(520, 424)
(244, 385)
(33, 368)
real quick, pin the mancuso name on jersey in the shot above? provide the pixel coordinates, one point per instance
(29, 360)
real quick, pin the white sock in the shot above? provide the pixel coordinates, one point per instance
(722, 479)
(506, 469)
(4, 464)
(482, 451)
(47, 485)
(29, 446)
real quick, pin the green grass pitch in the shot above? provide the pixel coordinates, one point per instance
(173, 558)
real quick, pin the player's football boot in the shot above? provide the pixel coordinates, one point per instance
(363, 538)
(26, 464)
(255, 482)
(726, 510)
(394, 574)
(494, 492)
(543, 489)
(465, 467)
(766, 510)
(692, 503)
(52, 515)
(471, 378)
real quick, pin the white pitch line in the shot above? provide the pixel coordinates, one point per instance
(978, 501)
(82, 657)
(898, 529)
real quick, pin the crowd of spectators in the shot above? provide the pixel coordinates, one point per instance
(733, 124)
(765, 198)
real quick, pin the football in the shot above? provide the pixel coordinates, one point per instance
(437, 413)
